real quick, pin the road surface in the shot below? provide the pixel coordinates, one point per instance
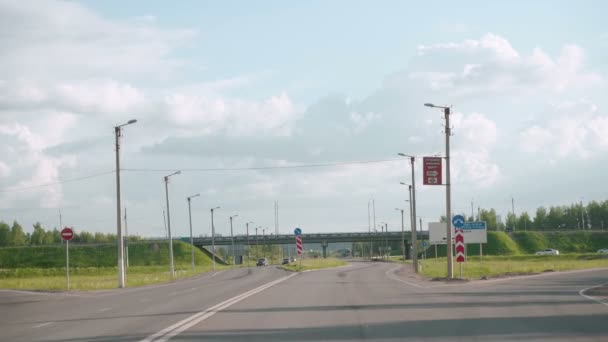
(363, 301)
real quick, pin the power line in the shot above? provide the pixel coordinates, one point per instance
(58, 182)
(265, 167)
(202, 170)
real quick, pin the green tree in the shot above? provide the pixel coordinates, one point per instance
(38, 236)
(489, 216)
(524, 222)
(540, 220)
(18, 237)
(511, 220)
(5, 234)
(555, 218)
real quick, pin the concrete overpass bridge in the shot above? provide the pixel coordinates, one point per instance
(307, 238)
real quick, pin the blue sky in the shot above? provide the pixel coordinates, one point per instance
(230, 84)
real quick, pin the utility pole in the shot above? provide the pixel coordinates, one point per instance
(232, 238)
(582, 215)
(119, 240)
(448, 186)
(414, 237)
(374, 217)
(126, 242)
(191, 237)
(165, 224)
(60, 226)
(402, 234)
(472, 212)
(213, 237)
(171, 265)
(248, 245)
(369, 229)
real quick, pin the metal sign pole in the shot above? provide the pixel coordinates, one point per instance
(480, 254)
(67, 264)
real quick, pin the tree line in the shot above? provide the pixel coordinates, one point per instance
(576, 216)
(14, 235)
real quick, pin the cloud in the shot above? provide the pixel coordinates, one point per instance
(491, 64)
(572, 129)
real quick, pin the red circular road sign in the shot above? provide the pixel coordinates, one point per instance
(67, 234)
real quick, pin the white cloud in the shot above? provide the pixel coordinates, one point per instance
(492, 64)
(233, 117)
(573, 129)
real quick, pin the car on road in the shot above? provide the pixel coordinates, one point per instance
(548, 251)
(603, 251)
(285, 261)
(262, 262)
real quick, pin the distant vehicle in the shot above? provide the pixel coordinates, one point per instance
(548, 251)
(285, 261)
(603, 251)
(293, 259)
(262, 262)
(509, 229)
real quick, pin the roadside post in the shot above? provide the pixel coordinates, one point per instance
(67, 234)
(458, 222)
(460, 248)
(298, 233)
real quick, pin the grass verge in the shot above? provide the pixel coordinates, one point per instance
(314, 264)
(497, 266)
(92, 278)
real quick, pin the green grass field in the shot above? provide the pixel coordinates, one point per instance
(92, 278)
(93, 267)
(314, 264)
(497, 266)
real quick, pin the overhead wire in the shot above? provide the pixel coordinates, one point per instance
(219, 169)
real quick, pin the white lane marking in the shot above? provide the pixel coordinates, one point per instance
(595, 299)
(389, 274)
(104, 309)
(43, 325)
(177, 328)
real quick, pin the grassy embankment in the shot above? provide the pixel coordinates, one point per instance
(513, 254)
(313, 264)
(94, 267)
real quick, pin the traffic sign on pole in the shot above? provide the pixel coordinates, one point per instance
(297, 231)
(67, 234)
(458, 221)
(431, 171)
(459, 245)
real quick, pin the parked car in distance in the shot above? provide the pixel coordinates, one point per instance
(293, 259)
(262, 262)
(603, 251)
(548, 251)
(285, 261)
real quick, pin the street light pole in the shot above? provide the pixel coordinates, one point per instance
(248, 245)
(448, 185)
(191, 238)
(232, 238)
(213, 237)
(402, 234)
(171, 266)
(413, 213)
(119, 241)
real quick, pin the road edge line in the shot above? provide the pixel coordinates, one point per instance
(188, 322)
(592, 298)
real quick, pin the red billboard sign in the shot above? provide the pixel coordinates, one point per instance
(431, 171)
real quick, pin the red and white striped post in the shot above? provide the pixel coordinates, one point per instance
(460, 248)
(299, 250)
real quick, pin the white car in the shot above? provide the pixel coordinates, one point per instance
(548, 251)
(603, 251)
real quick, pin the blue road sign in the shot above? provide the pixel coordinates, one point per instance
(424, 243)
(458, 221)
(474, 225)
(297, 231)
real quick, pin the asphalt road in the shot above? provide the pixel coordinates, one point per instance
(363, 301)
